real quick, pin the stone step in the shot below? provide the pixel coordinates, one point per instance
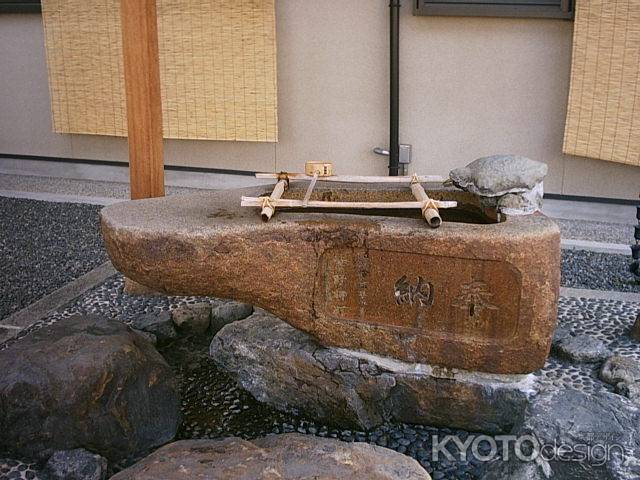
(287, 369)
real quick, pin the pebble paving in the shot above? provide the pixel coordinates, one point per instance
(214, 406)
(13, 469)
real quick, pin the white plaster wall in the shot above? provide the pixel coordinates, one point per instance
(469, 87)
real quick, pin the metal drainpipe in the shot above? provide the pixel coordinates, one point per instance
(635, 249)
(394, 104)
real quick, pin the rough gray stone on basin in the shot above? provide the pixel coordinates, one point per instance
(498, 175)
(524, 203)
(287, 369)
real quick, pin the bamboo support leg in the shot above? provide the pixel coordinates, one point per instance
(268, 207)
(307, 195)
(429, 207)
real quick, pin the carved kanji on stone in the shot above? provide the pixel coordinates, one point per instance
(407, 294)
(474, 299)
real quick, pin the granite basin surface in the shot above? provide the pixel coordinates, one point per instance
(475, 294)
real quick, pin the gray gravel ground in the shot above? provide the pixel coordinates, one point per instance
(597, 231)
(44, 246)
(214, 406)
(70, 186)
(597, 271)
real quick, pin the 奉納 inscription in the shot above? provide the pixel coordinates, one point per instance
(420, 294)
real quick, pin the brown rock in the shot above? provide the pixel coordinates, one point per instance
(85, 382)
(282, 457)
(474, 296)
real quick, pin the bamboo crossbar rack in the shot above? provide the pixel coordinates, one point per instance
(355, 178)
(429, 207)
(288, 203)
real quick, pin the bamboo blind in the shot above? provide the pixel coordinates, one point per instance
(603, 118)
(217, 68)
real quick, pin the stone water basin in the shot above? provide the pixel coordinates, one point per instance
(476, 294)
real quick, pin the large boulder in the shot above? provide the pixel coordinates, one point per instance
(287, 369)
(85, 382)
(577, 435)
(131, 287)
(283, 457)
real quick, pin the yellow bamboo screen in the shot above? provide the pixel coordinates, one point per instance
(217, 68)
(603, 118)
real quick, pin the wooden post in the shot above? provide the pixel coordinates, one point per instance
(144, 107)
